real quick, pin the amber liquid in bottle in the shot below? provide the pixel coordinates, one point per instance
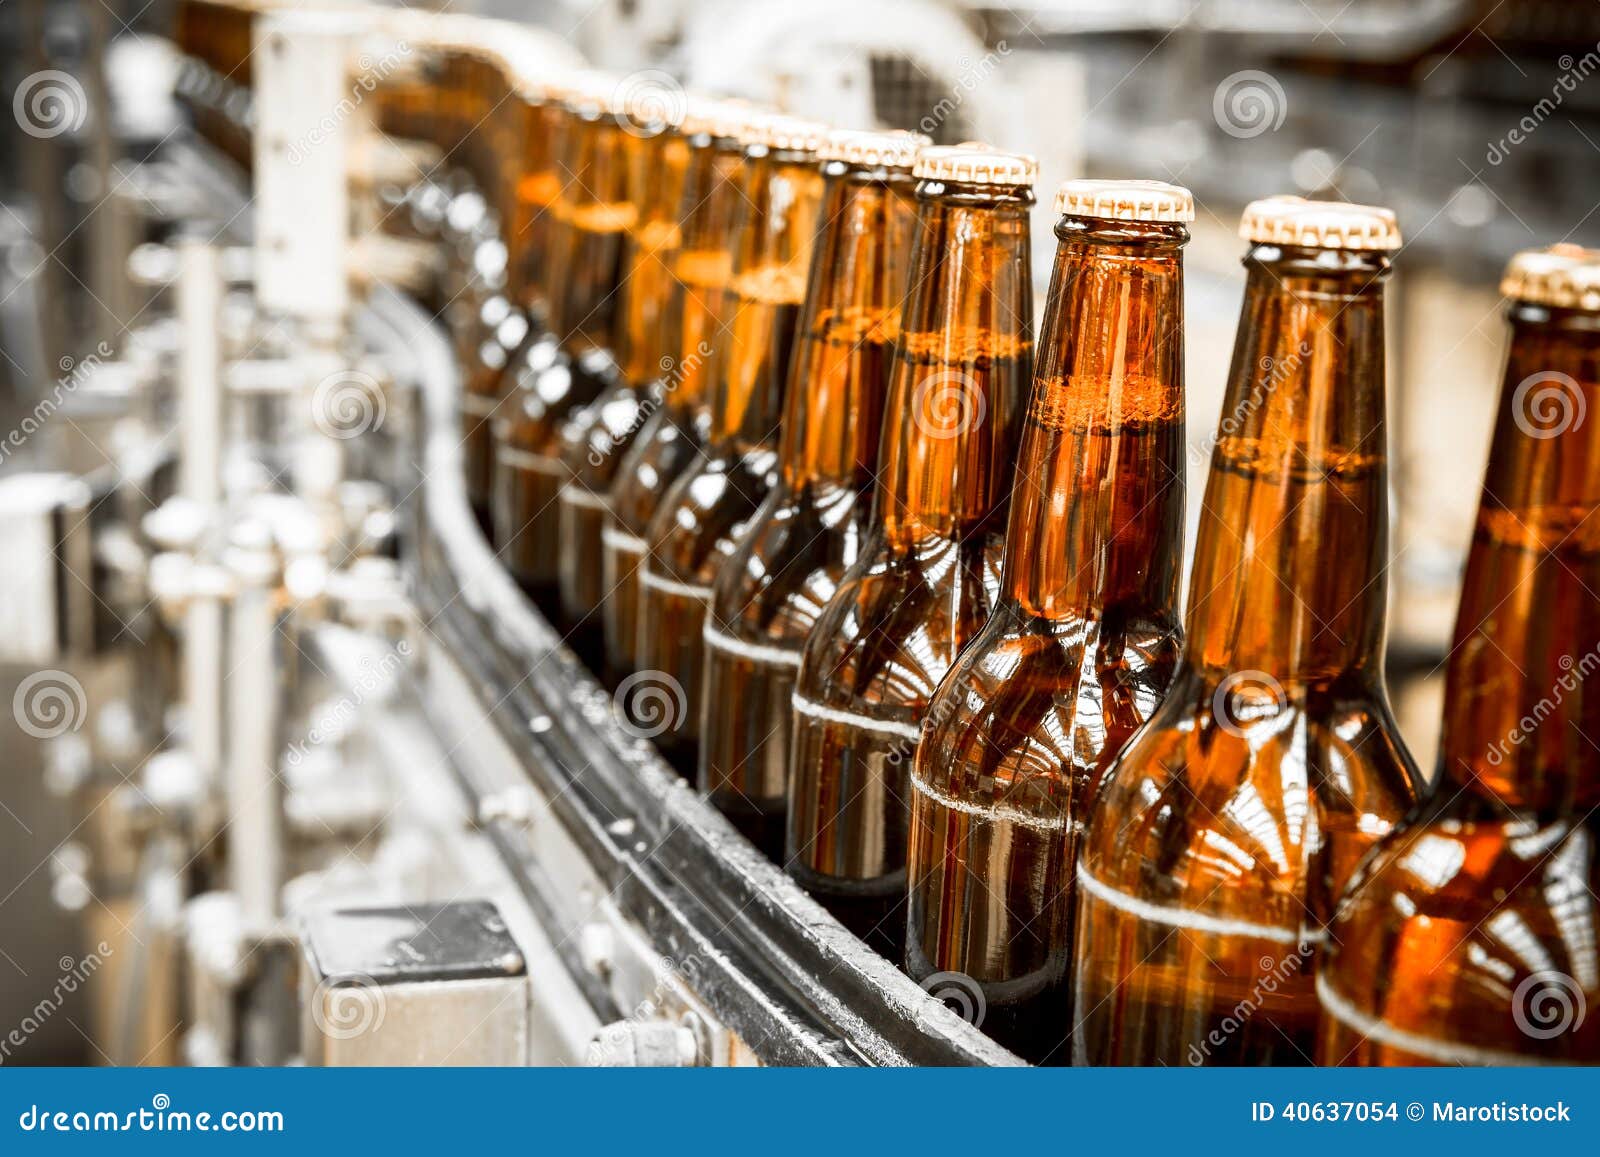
(597, 437)
(673, 434)
(789, 562)
(707, 508)
(551, 380)
(1079, 649)
(1470, 936)
(929, 571)
(1220, 839)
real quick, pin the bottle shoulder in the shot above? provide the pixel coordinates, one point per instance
(704, 512)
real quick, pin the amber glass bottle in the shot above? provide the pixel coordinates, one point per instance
(552, 379)
(809, 530)
(674, 433)
(1084, 638)
(596, 438)
(928, 573)
(1219, 840)
(700, 518)
(1469, 936)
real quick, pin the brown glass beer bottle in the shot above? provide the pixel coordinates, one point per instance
(701, 517)
(807, 533)
(674, 433)
(1082, 643)
(595, 439)
(929, 571)
(551, 379)
(1220, 839)
(1469, 936)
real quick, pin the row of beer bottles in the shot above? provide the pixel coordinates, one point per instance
(884, 691)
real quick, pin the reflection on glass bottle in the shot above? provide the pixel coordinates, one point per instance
(788, 563)
(1469, 937)
(1083, 641)
(929, 570)
(708, 506)
(1219, 841)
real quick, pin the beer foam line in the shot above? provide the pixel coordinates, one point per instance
(672, 586)
(720, 640)
(576, 494)
(1384, 1033)
(480, 405)
(989, 811)
(1194, 921)
(827, 714)
(528, 460)
(621, 541)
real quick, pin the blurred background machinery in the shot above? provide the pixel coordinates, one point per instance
(409, 795)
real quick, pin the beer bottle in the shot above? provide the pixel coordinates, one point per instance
(598, 435)
(706, 509)
(928, 573)
(674, 433)
(1220, 838)
(1469, 936)
(551, 379)
(809, 530)
(1085, 635)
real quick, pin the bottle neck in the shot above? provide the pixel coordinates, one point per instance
(1289, 562)
(962, 368)
(833, 422)
(701, 271)
(778, 228)
(1097, 511)
(656, 166)
(531, 228)
(1521, 721)
(596, 214)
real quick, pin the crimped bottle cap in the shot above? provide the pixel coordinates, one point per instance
(1319, 224)
(889, 150)
(718, 117)
(1125, 200)
(777, 131)
(976, 164)
(1560, 276)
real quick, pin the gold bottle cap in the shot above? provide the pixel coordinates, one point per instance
(889, 150)
(1319, 224)
(777, 131)
(1560, 276)
(1125, 200)
(972, 163)
(718, 117)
